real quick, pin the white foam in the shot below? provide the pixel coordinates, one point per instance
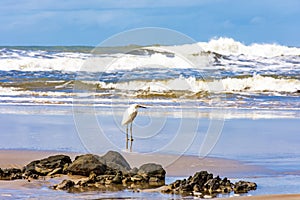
(130, 62)
(14, 91)
(41, 64)
(228, 46)
(259, 83)
(256, 83)
(185, 56)
(119, 62)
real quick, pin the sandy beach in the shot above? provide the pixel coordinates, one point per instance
(269, 197)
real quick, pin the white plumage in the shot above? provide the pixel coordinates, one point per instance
(130, 114)
(128, 117)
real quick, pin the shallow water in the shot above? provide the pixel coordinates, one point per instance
(268, 142)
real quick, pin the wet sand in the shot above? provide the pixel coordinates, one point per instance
(269, 197)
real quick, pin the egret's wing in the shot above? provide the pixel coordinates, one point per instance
(128, 116)
(125, 117)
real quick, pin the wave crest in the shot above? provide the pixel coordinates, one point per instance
(228, 46)
(256, 84)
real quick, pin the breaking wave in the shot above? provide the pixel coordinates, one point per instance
(219, 73)
(221, 52)
(255, 83)
(228, 46)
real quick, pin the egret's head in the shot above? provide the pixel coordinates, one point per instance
(140, 106)
(136, 106)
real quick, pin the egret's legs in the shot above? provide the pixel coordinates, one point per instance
(131, 138)
(127, 136)
(131, 145)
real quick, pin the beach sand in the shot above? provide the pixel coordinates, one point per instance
(174, 165)
(268, 197)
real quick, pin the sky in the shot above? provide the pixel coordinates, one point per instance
(89, 22)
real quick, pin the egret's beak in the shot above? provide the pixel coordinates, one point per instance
(142, 106)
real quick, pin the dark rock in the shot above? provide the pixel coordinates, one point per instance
(85, 164)
(244, 187)
(82, 182)
(185, 188)
(109, 171)
(167, 189)
(196, 188)
(200, 178)
(176, 184)
(117, 179)
(100, 179)
(31, 166)
(152, 170)
(109, 179)
(29, 174)
(92, 177)
(203, 184)
(137, 178)
(55, 171)
(48, 165)
(126, 181)
(132, 172)
(12, 171)
(65, 185)
(116, 161)
(154, 180)
(10, 174)
(212, 186)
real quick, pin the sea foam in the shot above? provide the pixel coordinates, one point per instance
(224, 51)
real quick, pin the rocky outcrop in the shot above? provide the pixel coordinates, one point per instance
(46, 167)
(147, 176)
(153, 173)
(85, 164)
(49, 166)
(152, 170)
(116, 161)
(10, 174)
(244, 187)
(65, 185)
(110, 163)
(112, 172)
(204, 184)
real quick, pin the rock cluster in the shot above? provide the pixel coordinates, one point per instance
(10, 174)
(112, 172)
(50, 166)
(244, 187)
(109, 171)
(204, 183)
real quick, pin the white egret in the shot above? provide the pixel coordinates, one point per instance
(128, 117)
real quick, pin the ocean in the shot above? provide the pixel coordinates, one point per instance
(227, 100)
(225, 74)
